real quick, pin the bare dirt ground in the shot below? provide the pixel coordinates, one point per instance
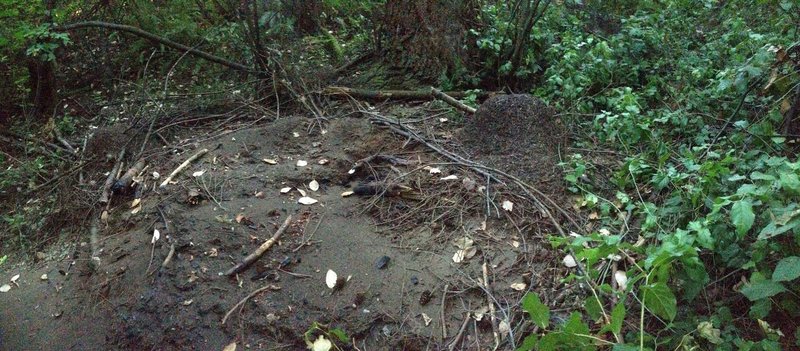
(393, 248)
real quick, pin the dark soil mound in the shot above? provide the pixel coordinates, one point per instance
(517, 133)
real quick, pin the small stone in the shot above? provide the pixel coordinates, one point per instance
(382, 262)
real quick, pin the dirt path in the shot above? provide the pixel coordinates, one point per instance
(394, 304)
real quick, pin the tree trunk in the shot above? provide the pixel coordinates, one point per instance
(425, 38)
(42, 83)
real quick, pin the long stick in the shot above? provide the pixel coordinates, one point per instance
(261, 249)
(182, 167)
(491, 305)
(452, 101)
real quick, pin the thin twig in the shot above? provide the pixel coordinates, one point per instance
(305, 241)
(254, 293)
(457, 339)
(490, 300)
(444, 325)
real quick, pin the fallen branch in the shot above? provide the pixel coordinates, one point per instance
(182, 167)
(490, 300)
(94, 240)
(424, 94)
(260, 250)
(457, 338)
(248, 297)
(105, 197)
(166, 42)
(452, 101)
(64, 142)
(441, 315)
(125, 181)
(168, 259)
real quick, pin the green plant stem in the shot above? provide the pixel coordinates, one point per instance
(641, 316)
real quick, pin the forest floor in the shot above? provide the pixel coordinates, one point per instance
(409, 248)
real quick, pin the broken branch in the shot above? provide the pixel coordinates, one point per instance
(125, 181)
(452, 101)
(424, 94)
(182, 167)
(260, 250)
(106, 195)
(489, 299)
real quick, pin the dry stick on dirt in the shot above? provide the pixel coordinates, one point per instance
(304, 241)
(125, 181)
(492, 310)
(105, 197)
(64, 142)
(444, 325)
(452, 101)
(260, 250)
(182, 167)
(242, 301)
(457, 338)
(424, 94)
(168, 259)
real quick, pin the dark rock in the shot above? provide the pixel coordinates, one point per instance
(382, 262)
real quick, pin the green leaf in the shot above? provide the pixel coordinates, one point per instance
(577, 327)
(593, 309)
(708, 332)
(789, 181)
(625, 347)
(760, 309)
(340, 334)
(540, 313)
(742, 216)
(761, 289)
(787, 269)
(772, 229)
(660, 300)
(761, 176)
(529, 343)
(617, 317)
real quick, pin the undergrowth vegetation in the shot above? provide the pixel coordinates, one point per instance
(695, 229)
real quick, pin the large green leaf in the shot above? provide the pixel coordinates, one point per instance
(761, 289)
(660, 300)
(787, 269)
(789, 181)
(539, 312)
(742, 216)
